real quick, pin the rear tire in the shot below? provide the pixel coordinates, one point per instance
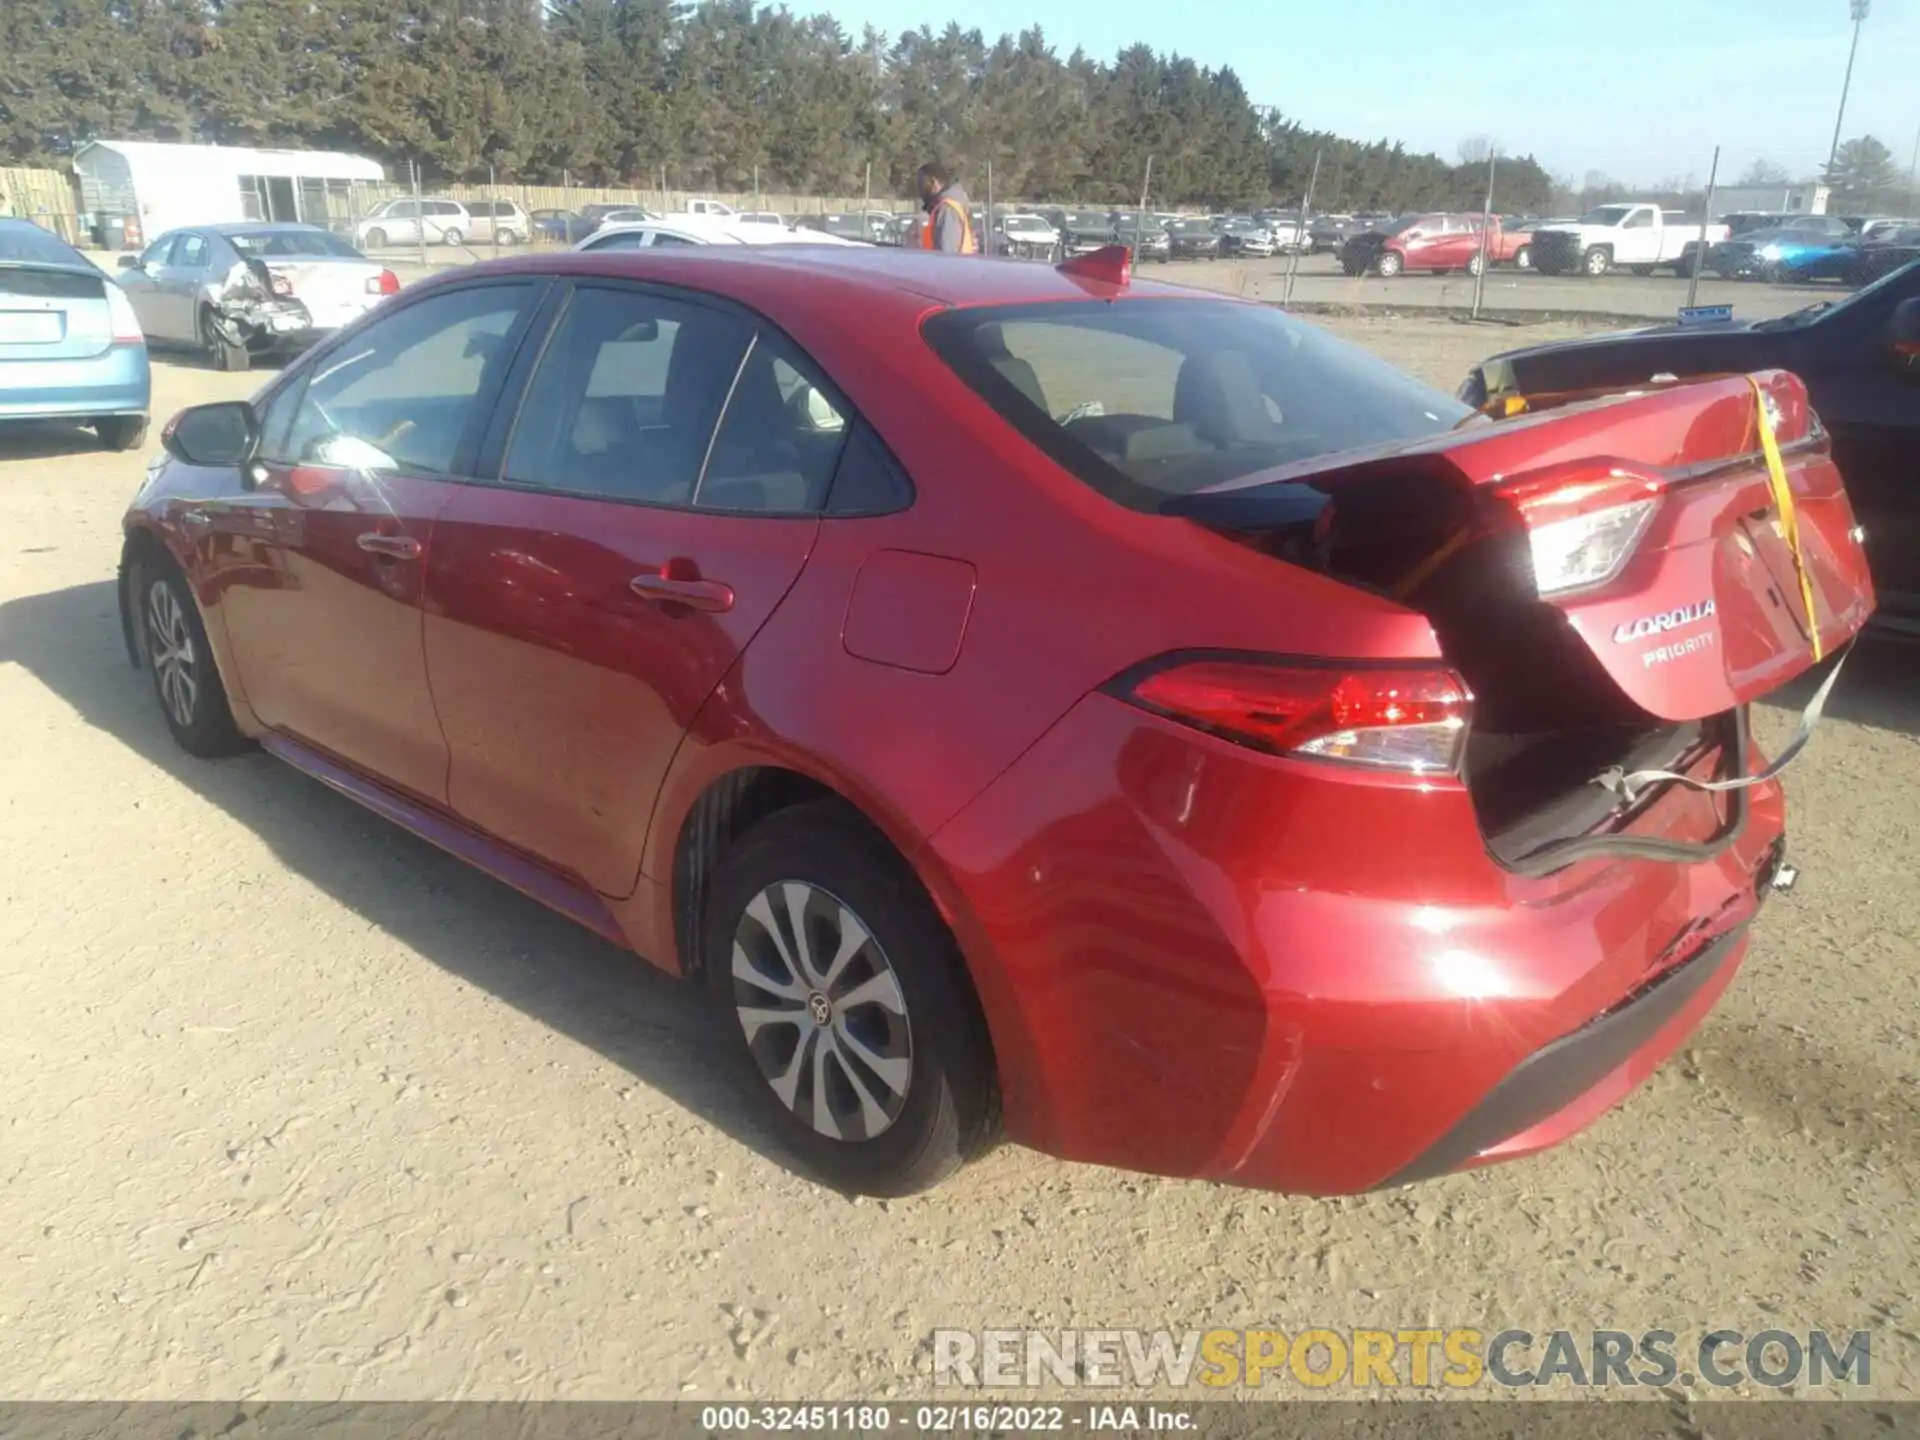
(121, 432)
(451, 237)
(376, 239)
(1476, 264)
(857, 1021)
(185, 681)
(1523, 257)
(221, 353)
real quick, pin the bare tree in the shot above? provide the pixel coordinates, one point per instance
(1764, 172)
(1475, 149)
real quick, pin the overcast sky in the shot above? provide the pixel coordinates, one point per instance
(1639, 90)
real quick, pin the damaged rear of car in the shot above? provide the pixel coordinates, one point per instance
(1472, 839)
(235, 291)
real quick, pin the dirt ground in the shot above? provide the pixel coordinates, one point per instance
(297, 1106)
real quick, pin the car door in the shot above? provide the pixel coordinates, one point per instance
(142, 285)
(320, 565)
(178, 289)
(583, 605)
(402, 222)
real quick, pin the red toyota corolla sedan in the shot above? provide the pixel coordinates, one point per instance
(1024, 699)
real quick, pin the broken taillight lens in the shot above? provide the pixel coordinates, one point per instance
(1582, 523)
(1411, 719)
(282, 286)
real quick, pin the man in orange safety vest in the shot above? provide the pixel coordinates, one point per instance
(948, 226)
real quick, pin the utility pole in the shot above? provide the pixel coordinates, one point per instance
(419, 216)
(1300, 234)
(1912, 170)
(1140, 217)
(1706, 218)
(1858, 9)
(1486, 233)
(986, 220)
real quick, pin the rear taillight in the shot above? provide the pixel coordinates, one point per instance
(126, 324)
(385, 283)
(1400, 718)
(1582, 523)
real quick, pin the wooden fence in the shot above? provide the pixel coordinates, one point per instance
(45, 196)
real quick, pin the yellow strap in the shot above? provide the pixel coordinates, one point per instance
(1783, 502)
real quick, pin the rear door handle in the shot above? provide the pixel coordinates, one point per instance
(394, 547)
(708, 595)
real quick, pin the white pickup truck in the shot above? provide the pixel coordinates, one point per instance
(1639, 237)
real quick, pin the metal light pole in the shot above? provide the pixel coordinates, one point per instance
(1299, 237)
(1486, 234)
(1912, 170)
(1706, 217)
(1858, 9)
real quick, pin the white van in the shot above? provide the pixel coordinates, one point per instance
(401, 222)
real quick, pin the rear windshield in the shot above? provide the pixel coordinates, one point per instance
(286, 244)
(1150, 399)
(24, 243)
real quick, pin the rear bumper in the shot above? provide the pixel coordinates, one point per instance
(1199, 961)
(118, 381)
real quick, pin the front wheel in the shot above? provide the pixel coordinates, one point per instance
(181, 662)
(1596, 263)
(1389, 264)
(1476, 264)
(845, 1003)
(121, 432)
(450, 237)
(1523, 257)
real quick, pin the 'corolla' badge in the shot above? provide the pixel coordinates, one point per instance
(1659, 624)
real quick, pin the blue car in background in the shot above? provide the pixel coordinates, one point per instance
(1784, 255)
(70, 345)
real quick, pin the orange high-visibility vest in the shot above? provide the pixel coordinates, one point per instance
(967, 245)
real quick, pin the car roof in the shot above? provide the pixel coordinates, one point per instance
(747, 271)
(257, 227)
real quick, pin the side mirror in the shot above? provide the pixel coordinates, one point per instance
(131, 262)
(1904, 331)
(219, 434)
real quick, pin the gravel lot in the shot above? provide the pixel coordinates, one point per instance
(299, 1107)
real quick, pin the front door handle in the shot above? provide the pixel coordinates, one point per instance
(394, 547)
(708, 595)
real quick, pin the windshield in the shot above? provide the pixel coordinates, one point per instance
(1150, 399)
(285, 244)
(1402, 225)
(1607, 215)
(1191, 227)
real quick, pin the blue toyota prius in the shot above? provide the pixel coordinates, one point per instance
(70, 345)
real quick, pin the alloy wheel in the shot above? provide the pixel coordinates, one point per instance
(170, 648)
(822, 1010)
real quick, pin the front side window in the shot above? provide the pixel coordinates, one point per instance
(402, 393)
(1151, 399)
(620, 240)
(1640, 220)
(191, 252)
(626, 397)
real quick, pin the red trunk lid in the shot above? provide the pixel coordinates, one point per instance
(1707, 612)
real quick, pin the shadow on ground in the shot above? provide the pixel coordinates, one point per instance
(650, 1025)
(1880, 686)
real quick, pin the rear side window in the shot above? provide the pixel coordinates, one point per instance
(626, 397)
(1150, 399)
(780, 439)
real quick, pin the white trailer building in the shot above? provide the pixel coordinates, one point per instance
(164, 186)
